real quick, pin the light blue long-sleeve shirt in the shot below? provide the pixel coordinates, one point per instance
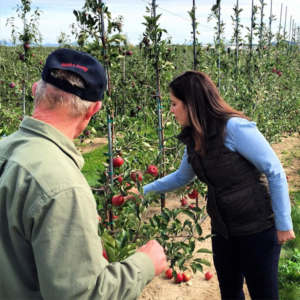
(241, 136)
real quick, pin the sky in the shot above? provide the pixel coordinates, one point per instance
(58, 15)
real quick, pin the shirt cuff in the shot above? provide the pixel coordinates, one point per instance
(284, 223)
(145, 264)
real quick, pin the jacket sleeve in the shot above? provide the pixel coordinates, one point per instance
(68, 252)
(184, 175)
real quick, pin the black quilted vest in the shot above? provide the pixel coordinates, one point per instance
(238, 198)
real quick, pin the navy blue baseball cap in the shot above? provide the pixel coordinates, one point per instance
(81, 63)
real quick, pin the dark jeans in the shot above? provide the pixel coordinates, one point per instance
(254, 257)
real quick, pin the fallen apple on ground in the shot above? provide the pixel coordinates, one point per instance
(169, 274)
(186, 277)
(179, 278)
(208, 275)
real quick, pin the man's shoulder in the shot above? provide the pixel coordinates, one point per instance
(47, 163)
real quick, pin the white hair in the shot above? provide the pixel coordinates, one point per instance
(51, 97)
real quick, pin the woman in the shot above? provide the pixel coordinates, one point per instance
(250, 216)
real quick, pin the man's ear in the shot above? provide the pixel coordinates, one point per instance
(94, 108)
(34, 88)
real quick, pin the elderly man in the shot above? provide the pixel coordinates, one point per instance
(49, 246)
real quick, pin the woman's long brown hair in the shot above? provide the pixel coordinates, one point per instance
(204, 104)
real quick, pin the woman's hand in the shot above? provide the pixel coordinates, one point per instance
(133, 190)
(284, 236)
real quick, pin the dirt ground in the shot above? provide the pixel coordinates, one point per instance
(197, 288)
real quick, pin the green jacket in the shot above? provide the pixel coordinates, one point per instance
(49, 245)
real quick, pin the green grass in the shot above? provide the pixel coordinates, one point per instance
(289, 292)
(93, 163)
(289, 264)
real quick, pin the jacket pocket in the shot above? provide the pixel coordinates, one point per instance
(240, 207)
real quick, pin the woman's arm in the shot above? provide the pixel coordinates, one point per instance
(173, 181)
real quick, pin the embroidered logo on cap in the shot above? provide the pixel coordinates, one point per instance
(75, 66)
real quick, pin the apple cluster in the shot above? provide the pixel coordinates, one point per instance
(119, 200)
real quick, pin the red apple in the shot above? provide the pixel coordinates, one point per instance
(193, 194)
(186, 277)
(183, 202)
(192, 206)
(129, 53)
(104, 254)
(12, 85)
(179, 278)
(208, 275)
(118, 162)
(120, 179)
(115, 217)
(152, 170)
(133, 176)
(26, 46)
(169, 274)
(273, 70)
(117, 200)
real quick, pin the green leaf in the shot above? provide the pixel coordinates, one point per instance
(176, 212)
(168, 212)
(196, 267)
(165, 216)
(204, 250)
(199, 229)
(122, 239)
(125, 252)
(186, 248)
(189, 213)
(164, 237)
(107, 239)
(210, 235)
(111, 253)
(202, 261)
(118, 37)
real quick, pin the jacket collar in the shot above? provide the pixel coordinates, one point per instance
(186, 136)
(50, 133)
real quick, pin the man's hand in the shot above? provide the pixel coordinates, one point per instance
(284, 236)
(156, 253)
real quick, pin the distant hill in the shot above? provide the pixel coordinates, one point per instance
(9, 44)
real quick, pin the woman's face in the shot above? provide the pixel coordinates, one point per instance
(178, 108)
